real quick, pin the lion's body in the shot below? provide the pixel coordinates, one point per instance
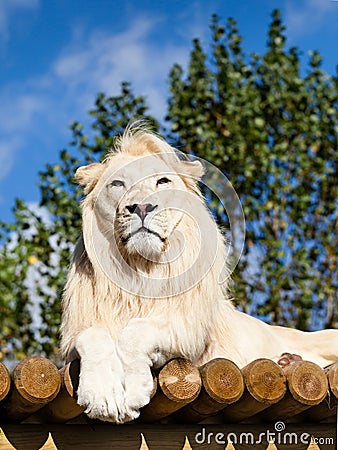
(144, 285)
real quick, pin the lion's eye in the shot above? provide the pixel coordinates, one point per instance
(117, 183)
(163, 180)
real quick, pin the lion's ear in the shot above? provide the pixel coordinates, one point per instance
(87, 176)
(193, 169)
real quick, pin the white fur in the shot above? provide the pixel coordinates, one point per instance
(133, 301)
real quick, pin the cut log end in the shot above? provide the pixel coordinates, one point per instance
(179, 383)
(180, 380)
(265, 380)
(307, 382)
(36, 379)
(222, 380)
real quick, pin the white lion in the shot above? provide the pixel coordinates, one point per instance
(144, 284)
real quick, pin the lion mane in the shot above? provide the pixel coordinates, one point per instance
(109, 284)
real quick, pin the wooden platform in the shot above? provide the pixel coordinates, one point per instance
(217, 406)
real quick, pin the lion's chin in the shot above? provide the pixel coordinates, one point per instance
(147, 245)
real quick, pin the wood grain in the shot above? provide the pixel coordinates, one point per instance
(265, 385)
(179, 383)
(35, 382)
(222, 384)
(307, 386)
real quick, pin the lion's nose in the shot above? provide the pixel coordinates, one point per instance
(141, 209)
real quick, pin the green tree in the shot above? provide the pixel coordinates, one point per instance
(273, 133)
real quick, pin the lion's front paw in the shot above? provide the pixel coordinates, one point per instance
(138, 393)
(102, 395)
(99, 405)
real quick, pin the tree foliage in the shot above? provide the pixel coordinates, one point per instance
(268, 124)
(274, 133)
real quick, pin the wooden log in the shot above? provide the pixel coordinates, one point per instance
(35, 382)
(179, 383)
(222, 384)
(327, 409)
(265, 384)
(307, 386)
(64, 406)
(307, 382)
(5, 382)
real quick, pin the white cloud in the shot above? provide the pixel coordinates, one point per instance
(7, 9)
(8, 148)
(103, 61)
(17, 118)
(17, 110)
(305, 17)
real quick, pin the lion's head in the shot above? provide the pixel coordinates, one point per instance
(139, 198)
(144, 213)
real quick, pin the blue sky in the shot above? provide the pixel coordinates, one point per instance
(55, 55)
